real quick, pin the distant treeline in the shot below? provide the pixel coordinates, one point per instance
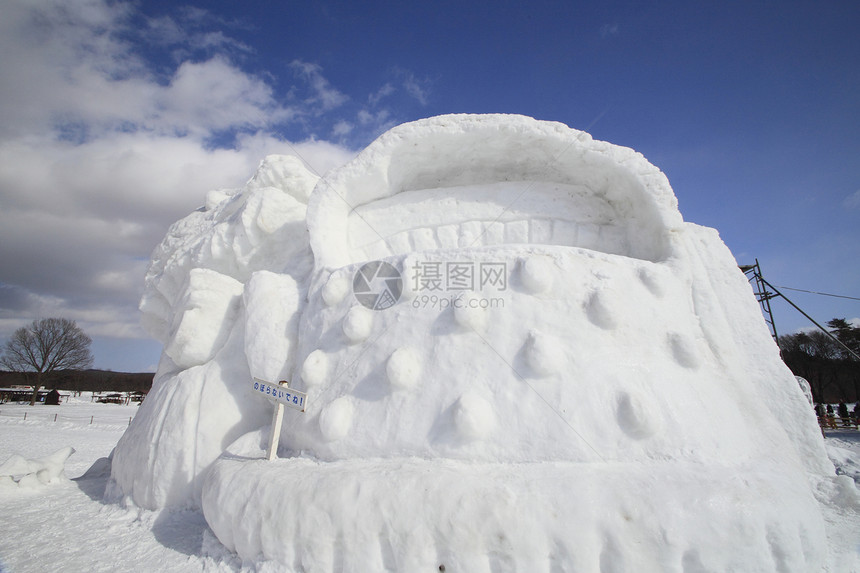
(832, 371)
(84, 380)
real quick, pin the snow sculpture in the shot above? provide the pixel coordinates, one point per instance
(572, 378)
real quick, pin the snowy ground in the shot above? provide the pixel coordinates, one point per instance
(65, 526)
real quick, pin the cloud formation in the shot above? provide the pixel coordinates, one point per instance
(322, 96)
(101, 149)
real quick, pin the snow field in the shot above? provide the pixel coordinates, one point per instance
(66, 527)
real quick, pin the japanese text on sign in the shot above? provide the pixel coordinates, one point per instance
(283, 394)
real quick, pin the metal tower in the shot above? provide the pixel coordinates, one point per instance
(762, 295)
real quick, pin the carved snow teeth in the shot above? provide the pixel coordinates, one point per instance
(559, 212)
(474, 234)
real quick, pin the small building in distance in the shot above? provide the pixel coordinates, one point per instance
(19, 393)
(52, 398)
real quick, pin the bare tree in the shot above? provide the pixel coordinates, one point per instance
(47, 345)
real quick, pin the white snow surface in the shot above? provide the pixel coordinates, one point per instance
(65, 526)
(594, 407)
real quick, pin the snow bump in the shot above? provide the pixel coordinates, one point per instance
(358, 323)
(600, 312)
(684, 350)
(336, 419)
(474, 417)
(652, 281)
(469, 314)
(544, 353)
(335, 289)
(536, 272)
(315, 368)
(403, 368)
(637, 415)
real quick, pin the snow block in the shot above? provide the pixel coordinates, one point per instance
(25, 473)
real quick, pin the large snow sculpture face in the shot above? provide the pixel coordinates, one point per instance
(572, 376)
(560, 225)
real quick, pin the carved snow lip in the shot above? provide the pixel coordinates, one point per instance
(557, 186)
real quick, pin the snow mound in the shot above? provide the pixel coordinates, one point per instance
(550, 371)
(21, 472)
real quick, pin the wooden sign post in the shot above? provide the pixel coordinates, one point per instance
(282, 395)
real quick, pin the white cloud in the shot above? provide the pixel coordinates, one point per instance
(73, 70)
(78, 222)
(100, 151)
(118, 175)
(383, 92)
(373, 118)
(189, 32)
(214, 95)
(853, 200)
(318, 156)
(342, 128)
(608, 30)
(323, 97)
(375, 122)
(418, 89)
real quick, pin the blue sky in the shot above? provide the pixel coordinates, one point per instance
(116, 118)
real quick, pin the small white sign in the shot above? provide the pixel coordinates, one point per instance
(283, 394)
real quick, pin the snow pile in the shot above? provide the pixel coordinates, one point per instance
(21, 472)
(844, 459)
(551, 371)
